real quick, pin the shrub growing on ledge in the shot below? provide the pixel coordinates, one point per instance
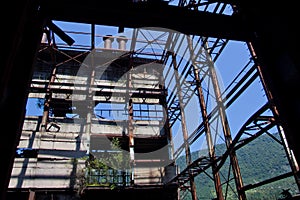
(110, 169)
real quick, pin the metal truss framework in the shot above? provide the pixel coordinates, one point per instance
(195, 77)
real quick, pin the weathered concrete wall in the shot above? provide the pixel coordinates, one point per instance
(60, 153)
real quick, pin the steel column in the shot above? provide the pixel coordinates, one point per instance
(211, 149)
(183, 125)
(290, 155)
(226, 129)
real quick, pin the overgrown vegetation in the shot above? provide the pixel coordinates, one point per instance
(108, 169)
(259, 160)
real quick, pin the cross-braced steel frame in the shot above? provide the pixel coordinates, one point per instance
(187, 79)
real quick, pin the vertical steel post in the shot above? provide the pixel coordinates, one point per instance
(291, 158)
(225, 127)
(48, 96)
(183, 126)
(211, 149)
(130, 119)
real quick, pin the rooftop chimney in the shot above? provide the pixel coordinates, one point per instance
(122, 42)
(108, 39)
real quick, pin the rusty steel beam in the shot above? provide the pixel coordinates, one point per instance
(276, 113)
(143, 14)
(184, 126)
(212, 155)
(277, 44)
(270, 180)
(48, 95)
(227, 132)
(277, 52)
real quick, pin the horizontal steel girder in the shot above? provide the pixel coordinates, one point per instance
(134, 15)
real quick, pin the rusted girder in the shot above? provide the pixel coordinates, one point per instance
(134, 15)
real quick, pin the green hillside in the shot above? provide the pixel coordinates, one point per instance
(261, 159)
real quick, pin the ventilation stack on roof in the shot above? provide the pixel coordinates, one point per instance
(108, 40)
(122, 42)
